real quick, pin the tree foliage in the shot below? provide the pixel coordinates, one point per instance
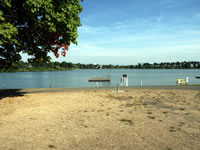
(37, 27)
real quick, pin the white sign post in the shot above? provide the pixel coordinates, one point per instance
(187, 80)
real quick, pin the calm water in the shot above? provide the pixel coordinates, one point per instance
(79, 78)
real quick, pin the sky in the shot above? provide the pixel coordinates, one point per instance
(127, 32)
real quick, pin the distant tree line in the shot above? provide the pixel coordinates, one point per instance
(53, 66)
(170, 65)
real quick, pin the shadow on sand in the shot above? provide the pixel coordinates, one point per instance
(10, 93)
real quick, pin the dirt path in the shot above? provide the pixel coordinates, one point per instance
(101, 119)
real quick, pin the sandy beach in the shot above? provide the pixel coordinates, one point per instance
(102, 119)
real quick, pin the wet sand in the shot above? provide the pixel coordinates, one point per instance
(137, 118)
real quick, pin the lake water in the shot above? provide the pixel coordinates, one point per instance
(79, 78)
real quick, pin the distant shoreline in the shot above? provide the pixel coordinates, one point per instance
(58, 66)
(12, 71)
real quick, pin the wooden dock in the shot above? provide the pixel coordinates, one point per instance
(99, 79)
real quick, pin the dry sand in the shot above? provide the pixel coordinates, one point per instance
(141, 119)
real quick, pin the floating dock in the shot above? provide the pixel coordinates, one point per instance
(99, 79)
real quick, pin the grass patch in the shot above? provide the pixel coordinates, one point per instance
(100, 110)
(51, 146)
(126, 121)
(129, 105)
(120, 98)
(151, 117)
(149, 112)
(181, 123)
(171, 130)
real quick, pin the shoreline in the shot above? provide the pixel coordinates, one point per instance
(47, 90)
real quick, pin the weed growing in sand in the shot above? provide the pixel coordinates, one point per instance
(100, 110)
(101, 105)
(120, 98)
(142, 97)
(129, 105)
(172, 129)
(126, 121)
(151, 117)
(51, 146)
(149, 112)
(181, 124)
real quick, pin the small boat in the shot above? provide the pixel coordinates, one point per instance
(198, 77)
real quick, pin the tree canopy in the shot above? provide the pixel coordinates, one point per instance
(37, 27)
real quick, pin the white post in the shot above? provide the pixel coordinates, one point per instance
(127, 81)
(121, 81)
(117, 88)
(141, 83)
(97, 84)
(187, 80)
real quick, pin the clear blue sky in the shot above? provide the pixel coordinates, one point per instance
(132, 31)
